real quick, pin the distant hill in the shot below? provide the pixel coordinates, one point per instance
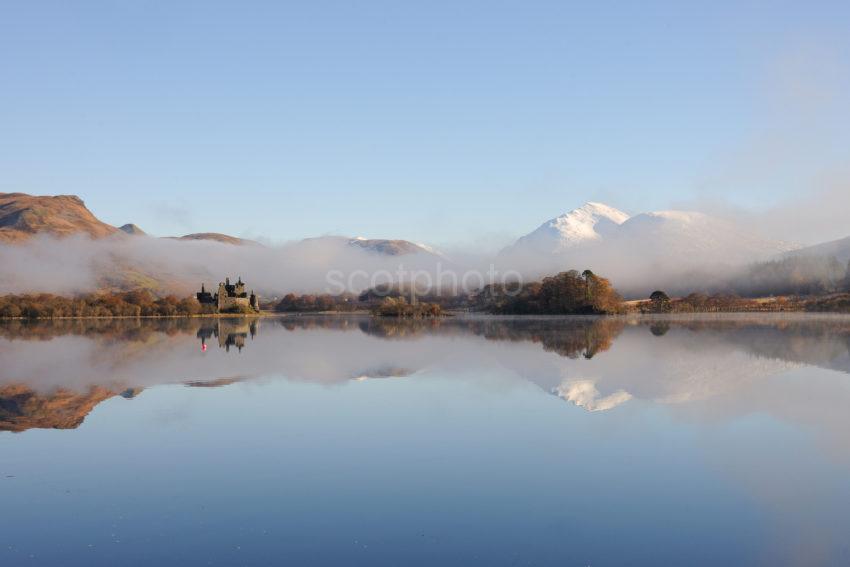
(218, 237)
(381, 246)
(838, 249)
(23, 216)
(389, 247)
(133, 230)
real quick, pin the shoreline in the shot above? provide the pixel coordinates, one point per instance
(451, 314)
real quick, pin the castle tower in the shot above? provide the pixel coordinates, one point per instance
(239, 288)
(221, 296)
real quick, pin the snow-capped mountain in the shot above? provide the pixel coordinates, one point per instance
(578, 227)
(683, 235)
(647, 249)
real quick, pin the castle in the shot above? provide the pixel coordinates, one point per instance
(230, 298)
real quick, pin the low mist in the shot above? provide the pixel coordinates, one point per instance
(636, 265)
(79, 264)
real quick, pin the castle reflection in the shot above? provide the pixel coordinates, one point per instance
(228, 333)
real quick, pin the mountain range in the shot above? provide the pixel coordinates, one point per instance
(23, 216)
(675, 250)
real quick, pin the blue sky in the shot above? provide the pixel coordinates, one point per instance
(442, 122)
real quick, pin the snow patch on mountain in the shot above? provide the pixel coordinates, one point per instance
(579, 226)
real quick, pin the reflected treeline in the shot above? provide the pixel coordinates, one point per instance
(229, 331)
(822, 341)
(813, 340)
(567, 337)
(807, 339)
(570, 337)
(129, 329)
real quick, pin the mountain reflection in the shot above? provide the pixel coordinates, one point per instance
(21, 408)
(53, 373)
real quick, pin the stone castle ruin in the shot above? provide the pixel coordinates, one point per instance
(230, 298)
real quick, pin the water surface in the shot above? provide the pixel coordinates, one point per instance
(467, 441)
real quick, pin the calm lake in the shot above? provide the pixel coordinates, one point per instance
(466, 441)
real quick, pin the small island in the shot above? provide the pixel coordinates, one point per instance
(399, 307)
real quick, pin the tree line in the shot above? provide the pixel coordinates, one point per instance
(123, 304)
(368, 300)
(660, 302)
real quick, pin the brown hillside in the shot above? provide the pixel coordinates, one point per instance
(23, 216)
